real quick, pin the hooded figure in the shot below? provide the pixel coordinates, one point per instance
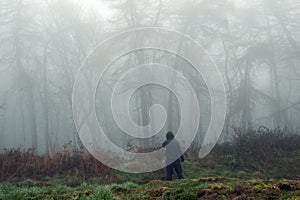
(174, 156)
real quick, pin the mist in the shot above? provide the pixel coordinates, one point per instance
(44, 43)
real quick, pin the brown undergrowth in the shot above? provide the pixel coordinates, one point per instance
(255, 153)
(26, 164)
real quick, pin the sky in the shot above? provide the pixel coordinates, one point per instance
(102, 6)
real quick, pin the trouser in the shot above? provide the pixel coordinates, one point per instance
(177, 166)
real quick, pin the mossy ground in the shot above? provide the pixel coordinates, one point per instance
(253, 170)
(201, 188)
(217, 181)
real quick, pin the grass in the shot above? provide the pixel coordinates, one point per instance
(254, 166)
(240, 183)
(218, 181)
(204, 188)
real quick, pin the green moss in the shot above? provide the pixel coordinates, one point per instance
(215, 187)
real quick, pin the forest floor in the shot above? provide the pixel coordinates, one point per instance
(204, 180)
(189, 189)
(264, 166)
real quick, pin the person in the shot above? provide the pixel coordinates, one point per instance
(174, 156)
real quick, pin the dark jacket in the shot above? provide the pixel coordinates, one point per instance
(173, 149)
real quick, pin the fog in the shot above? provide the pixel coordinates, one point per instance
(255, 46)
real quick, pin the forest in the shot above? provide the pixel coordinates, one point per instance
(253, 46)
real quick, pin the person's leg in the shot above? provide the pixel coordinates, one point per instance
(178, 169)
(169, 172)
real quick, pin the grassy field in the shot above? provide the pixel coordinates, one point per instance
(264, 166)
(201, 188)
(206, 179)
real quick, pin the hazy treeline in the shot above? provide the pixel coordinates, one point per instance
(44, 42)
